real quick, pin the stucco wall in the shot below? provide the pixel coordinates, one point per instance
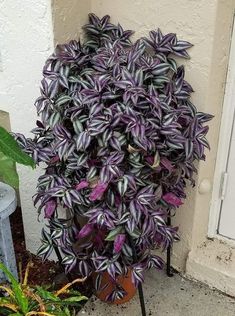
(212, 261)
(207, 24)
(27, 37)
(26, 41)
(29, 31)
(4, 120)
(68, 18)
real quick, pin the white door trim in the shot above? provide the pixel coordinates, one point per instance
(224, 141)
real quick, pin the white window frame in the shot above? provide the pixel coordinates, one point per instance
(226, 127)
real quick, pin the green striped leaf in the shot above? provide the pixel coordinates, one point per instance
(62, 100)
(54, 119)
(113, 233)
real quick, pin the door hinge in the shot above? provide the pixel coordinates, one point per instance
(223, 187)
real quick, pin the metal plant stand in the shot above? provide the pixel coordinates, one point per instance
(140, 288)
(168, 251)
(168, 267)
(7, 207)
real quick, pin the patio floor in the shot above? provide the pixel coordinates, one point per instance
(168, 296)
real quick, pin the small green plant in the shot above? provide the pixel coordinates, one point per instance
(23, 300)
(10, 153)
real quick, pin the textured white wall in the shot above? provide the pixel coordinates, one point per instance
(26, 40)
(68, 19)
(192, 21)
(207, 24)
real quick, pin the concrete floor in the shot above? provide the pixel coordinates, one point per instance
(168, 296)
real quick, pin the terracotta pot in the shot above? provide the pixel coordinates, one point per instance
(124, 281)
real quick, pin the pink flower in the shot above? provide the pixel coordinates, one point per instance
(85, 231)
(98, 191)
(81, 185)
(50, 208)
(172, 199)
(118, 242)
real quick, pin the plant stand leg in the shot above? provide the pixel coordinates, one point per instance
(141, 298)
(168, 252)
(140, 288)
(7, 253)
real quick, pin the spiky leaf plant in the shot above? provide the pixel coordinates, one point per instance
(21, 299)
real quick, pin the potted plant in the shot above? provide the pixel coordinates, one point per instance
(119, 136)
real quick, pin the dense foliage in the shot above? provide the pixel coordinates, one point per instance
(120, 136)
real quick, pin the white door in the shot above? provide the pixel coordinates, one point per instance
(226, 155)
(222, 212)
(227, 213)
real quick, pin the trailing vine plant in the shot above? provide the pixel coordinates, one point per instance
(120, 138)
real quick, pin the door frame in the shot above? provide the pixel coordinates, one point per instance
(226, 127)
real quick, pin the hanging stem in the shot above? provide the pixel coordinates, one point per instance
(59, 257)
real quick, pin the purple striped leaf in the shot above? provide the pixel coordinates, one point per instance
(85, 231)
(118, 242)
(50, 208)
(172, 199)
